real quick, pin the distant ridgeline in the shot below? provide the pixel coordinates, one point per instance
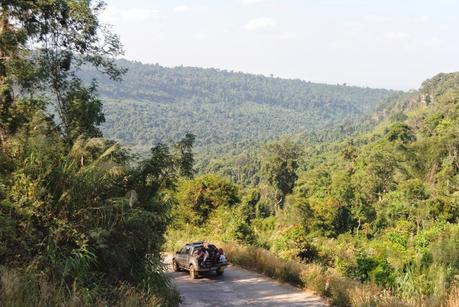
(158, 104)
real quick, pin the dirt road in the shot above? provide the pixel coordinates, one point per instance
(242, 288)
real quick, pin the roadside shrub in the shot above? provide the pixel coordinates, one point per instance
(241, 232)
(292, 243)
(383, 274)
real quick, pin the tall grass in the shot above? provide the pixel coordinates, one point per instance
(262, 261)
(18, 289)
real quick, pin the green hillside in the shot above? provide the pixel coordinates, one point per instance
(377, 212)
(157, 104)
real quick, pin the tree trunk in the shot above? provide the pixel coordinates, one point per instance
(278, 205)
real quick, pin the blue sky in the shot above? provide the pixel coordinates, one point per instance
(391, 44)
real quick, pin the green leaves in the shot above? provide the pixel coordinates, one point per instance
(279, 165)
(199, 197)
(400, 132)
(43, 45)
(81, 111)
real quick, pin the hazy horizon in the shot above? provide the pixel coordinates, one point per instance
(380, 45)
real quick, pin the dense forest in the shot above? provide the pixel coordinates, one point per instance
(159, 104)
(241, 161)
(376, 213)
(81, 220)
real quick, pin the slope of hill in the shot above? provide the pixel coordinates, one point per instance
(241, 161)
(380, 208)
(157, 104)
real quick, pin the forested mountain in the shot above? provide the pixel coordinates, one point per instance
(155, 103)
(241, 161)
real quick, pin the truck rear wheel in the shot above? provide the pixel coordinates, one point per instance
(193, 273)
(175, 266)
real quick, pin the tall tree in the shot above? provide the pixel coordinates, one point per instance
(184, 149)
(49, 41)
(279, 166)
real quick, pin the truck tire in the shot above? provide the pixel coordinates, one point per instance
(193, 273)
(175, 266)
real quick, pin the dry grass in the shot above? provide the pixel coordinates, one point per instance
(453, 297)
(262, 261)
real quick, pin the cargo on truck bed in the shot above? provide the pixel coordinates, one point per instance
(199, 257)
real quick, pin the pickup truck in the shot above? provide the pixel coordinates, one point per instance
(190, 259)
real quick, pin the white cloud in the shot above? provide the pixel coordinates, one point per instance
(414, 41)
(260, 23)
(182, 9)
(285, 36)
(432, 42)
(250, 2)
(397, 36)
(112, 14)
(377, 18)
(415, 19)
